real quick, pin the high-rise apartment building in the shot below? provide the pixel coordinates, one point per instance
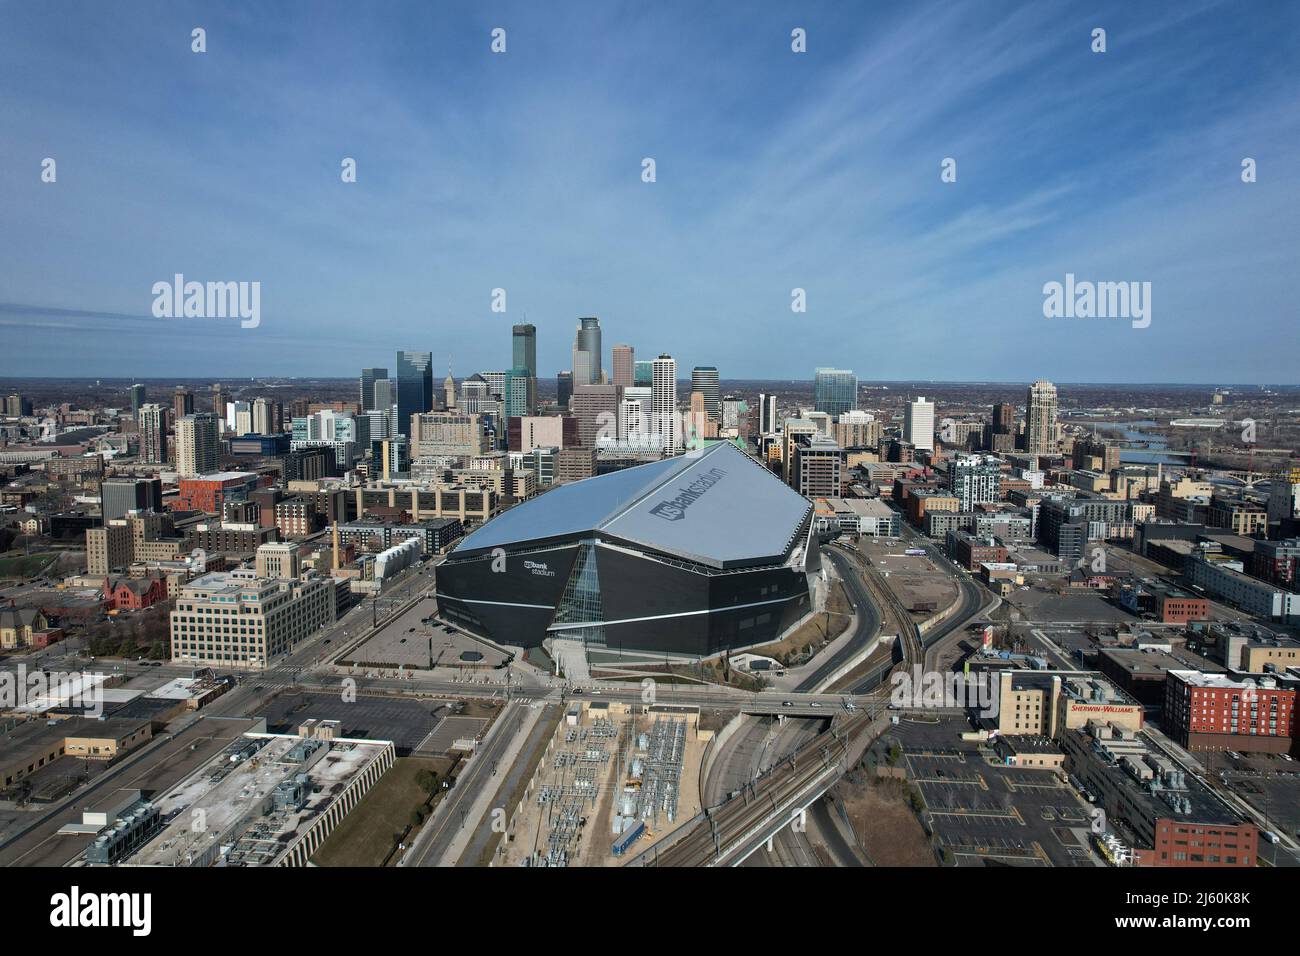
(835, 390)
(586, 353)
(704, 379)
(918, 424)
(414, 387)
(198, 445)
(663, 403)
(138, 399)
(182, 403)
(152, 423)
(1040, 419)
(975, 480)
(624, 366)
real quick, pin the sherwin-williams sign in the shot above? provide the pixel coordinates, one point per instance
(674, 509)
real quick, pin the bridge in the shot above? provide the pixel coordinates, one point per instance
(728, 834)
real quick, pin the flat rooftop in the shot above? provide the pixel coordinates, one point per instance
(229, 797)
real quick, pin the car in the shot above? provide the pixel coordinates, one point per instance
(815, 703)
(787, 703)
(578, 690)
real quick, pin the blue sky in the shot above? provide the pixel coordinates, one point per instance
(775, 170)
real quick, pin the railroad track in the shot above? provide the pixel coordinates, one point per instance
(717, 836)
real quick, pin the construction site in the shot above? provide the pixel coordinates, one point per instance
(614, 779)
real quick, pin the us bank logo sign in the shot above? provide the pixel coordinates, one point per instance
(674, 509)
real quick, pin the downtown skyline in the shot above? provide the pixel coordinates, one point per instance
(522, 171)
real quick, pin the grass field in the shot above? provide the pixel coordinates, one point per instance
(368, 834)
(24, 566)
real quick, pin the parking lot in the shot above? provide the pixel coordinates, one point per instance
(984, 812)
(405, 722)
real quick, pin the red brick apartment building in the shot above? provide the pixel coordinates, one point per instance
(1226, 712)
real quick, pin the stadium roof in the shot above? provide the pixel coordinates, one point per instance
(719, 507)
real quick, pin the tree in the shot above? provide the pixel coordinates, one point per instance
(426, 780)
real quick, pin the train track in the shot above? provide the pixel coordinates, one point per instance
(719, 836)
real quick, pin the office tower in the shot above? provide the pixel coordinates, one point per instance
(447, 434)
(152, 422)
(14, 405)
(733, 411)
(219, 400)
(835, 390)
(643, 375)
(138, 398)
(918, 424)
(1040, 419)
(624, 366)
(370, 378)
(663, 403)
(857, 429)
(523, 339)
(473, 393)
(414, 387)
(767, 423)
(704, 379)
(182, 403)
(818, 466)
(520, 394)
(448, 391)
(586, 353)
(563, 388)
(975, 480)
(385, 396)
(198, 445)
(596, 408)
(496, 383)
(117, 496)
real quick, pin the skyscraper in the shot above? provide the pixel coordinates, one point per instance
(414, 387)
(198, 444)
(1040, 418)
(182, 403)
(219, 399)
(563, 388)
(704, 379)
(835, 390)
(152, 422)
(643, 374)
(449, 391)
(138, 398)
(663, 402)
(586, 353)
(596, 408)
(918, 424)
(524, 348)
(767, 421)
(624, 365)
(369, 378)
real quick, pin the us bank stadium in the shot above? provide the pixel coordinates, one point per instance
(685, 556)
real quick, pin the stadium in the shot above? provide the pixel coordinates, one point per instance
(686, 556)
